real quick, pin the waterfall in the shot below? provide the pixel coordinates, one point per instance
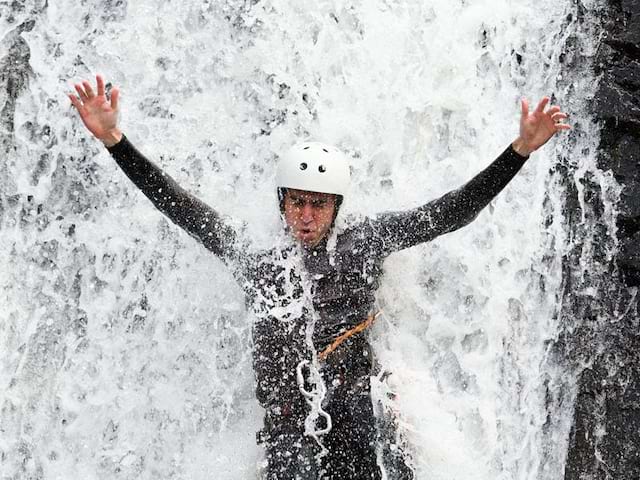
(125, 347)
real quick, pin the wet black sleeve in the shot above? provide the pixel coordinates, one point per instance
(395, 231)
(182, 208)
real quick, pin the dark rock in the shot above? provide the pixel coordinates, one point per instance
(627, 75)
(630, 252)
(604, 442)
(614, 102)
(630, 198)
(623, 154)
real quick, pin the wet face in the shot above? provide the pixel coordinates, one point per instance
(309, 215)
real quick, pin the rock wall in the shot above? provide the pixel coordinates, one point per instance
(605, 443)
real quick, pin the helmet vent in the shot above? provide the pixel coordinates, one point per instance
(325, 150)
(306, 148)
(303, 166)
(322, 169)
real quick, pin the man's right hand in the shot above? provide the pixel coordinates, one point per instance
(99, 115)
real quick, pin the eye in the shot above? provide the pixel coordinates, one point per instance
(322, 169)
(303, 166)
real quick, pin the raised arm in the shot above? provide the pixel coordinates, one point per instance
(395, 231)
(99, 115)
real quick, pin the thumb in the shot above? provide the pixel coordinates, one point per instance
(524, 108)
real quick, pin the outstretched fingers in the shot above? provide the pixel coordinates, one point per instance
(88, 89)
(541, 106)
(81, 93)
(559, 116)
(553, 110)
(75, 101)
(115, 95)
(100, 84)
(87, 95)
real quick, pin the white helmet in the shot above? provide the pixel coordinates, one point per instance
(314, 167)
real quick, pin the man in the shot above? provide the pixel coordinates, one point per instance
(314, 295)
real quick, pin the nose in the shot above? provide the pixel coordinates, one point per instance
(307, 213)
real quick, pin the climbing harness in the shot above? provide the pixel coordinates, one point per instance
(315, 396)
(346, 335)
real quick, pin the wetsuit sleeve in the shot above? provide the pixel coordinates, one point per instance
(182, 208)
(398, 230)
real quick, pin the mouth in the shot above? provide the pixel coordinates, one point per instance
(306, 234)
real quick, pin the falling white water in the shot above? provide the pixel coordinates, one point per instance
(125, 347)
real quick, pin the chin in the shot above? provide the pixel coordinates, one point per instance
(309, 242)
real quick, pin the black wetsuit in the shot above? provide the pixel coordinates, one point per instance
(330, 287)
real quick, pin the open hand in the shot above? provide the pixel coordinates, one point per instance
(537, 127)
(98, 114)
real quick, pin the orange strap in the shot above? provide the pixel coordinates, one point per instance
(349, 333)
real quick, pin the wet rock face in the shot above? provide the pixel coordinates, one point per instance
(618, 108)
(604, 442)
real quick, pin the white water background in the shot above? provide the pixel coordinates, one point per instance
(125, 346)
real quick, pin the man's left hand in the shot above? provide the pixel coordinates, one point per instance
(537, 127)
